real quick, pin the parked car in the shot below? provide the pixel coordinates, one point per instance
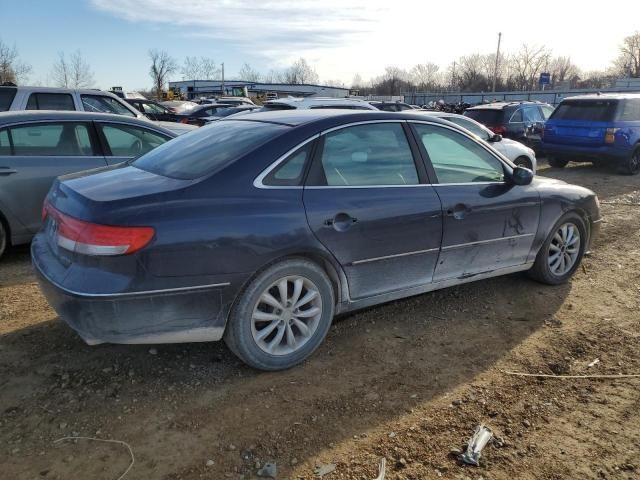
(37, 146)
(45, 98)
(521, 121)
(294, 103)
(392, 106)
(273, 222)
(179, 106)
(603, 129)
(224, 112)
(236, 101)
(518, 153)
(198, 115)
(153, 110)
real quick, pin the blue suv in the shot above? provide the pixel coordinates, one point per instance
(603, 129)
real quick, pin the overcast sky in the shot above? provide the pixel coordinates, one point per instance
(338, 37)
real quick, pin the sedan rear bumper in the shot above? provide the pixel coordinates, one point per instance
(193, 314)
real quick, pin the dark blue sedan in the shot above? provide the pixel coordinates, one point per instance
(260, 229)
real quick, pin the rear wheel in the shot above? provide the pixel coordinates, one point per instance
(556, 162)
(3, 239)
(523, 161)
(282, 316)
(562, 251)
(631, 165)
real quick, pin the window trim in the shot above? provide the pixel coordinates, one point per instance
(431, 170)
(519, 109)
(104, 144)
(258, 181)
(96, 145)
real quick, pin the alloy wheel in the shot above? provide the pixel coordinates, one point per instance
(564, 249)
(286, 315)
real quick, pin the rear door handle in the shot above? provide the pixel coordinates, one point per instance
(340, 222)
(7, 171)
(459, 211)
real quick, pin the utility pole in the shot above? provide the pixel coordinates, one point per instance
(495, 68)
(453, 76)
(222, 84)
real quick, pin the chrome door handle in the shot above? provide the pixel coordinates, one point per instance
(459, 211)
(340, 222)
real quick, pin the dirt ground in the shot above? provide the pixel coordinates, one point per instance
(408, 381)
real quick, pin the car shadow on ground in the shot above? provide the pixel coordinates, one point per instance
(374, 366)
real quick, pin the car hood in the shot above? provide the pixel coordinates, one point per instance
(538, 180)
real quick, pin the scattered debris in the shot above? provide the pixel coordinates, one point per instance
(209, 463)
(324, 469)
(595, 362)
(269, 470)
(477, 442)
(382, 466)
(120, 442)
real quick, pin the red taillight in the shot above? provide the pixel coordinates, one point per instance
(498, 130)
(93, 239)
(184, 120)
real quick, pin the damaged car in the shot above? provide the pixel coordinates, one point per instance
(259, 229)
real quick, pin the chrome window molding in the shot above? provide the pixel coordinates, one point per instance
(397, 255)
(482, 242)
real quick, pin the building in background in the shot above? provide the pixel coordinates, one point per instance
(190, 89)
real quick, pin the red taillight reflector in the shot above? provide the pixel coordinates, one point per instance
(184, 120)
(92, 239)
(498, 130)
(610, 135)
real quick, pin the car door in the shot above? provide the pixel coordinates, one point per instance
(488, 222)
(369, 203)
(516, 126)
(38, 153)
(122, 142)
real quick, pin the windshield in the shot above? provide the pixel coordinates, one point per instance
(485, 116)
(207, 149)
(586, 110)
(103, 104)
(478, 130)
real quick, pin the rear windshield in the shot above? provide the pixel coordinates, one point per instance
(586, 110)
(485, 116)
(207, 149)
(6, 97)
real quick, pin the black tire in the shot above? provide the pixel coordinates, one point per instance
(239, 335)
(631, 165)
(4, 241)
(541, 270)
(523, 161)
(556, 162)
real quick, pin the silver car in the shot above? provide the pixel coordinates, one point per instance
(38, 146)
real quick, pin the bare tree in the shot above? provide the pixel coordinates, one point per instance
(628, 62)
(72, 72)
(471, 72)
(271, 76)
(298, 73)
(334, 83)
(357, 82)
(209, 69)
(11, 68)
(527, 64)
(162, 66)
(425, 75)
(249, 74)
(191, 69)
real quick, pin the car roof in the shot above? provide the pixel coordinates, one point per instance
(603, 96)
(298, 101)
(23, 116)
(92, 91)
(327, 116)
(502, 105)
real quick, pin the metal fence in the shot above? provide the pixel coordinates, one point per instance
(549, 96)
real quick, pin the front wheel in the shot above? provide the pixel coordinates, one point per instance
(631, 165)
(557, 162)
(562, 251)
(282, 316)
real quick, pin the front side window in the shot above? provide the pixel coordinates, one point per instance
(630, 110)
(104, 104)
(5, 146)
(51, 139)
(517, 117)
(208, 149)
(129, 141)
(458, 159)
(290, 172)
(546, 111)
(153, 108)
(368, 155)
(474, 128)
(532, 114)
(50, 101)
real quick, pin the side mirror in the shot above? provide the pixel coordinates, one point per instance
(495, 138)
(521, 176)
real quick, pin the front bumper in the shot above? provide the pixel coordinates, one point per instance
(192, 314)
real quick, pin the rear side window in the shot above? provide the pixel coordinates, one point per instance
(485, 116)
(52, 139)
(6, 98)
(368, 155)
(104, 104)
(208, 149)
(630, 110)
(5, 146)
(586, 110)
(290, 171)
(517, 117)
(532, 114)
(50, 101)
(128, 141)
